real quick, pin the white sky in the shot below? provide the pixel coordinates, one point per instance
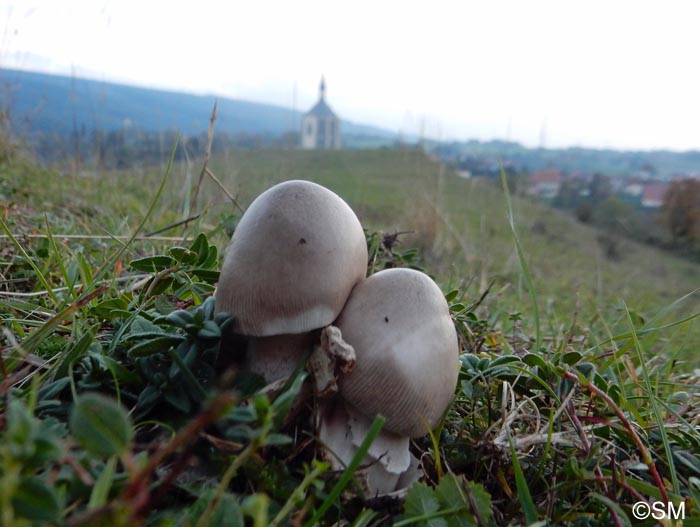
(616, 73)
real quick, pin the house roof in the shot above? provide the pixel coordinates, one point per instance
(654, 192)
(546, 176)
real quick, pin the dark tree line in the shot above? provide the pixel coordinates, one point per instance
(680, 212)
(131, 147)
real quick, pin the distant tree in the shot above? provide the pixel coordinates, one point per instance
(618, 217)
(680, 212)
(571, 194)
(584, 212)
(600, 187)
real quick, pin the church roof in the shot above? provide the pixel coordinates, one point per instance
(321, 109)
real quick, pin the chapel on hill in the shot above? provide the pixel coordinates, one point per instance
(320, 127)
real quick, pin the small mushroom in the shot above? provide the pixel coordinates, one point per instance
(406, 369)
(294, 257)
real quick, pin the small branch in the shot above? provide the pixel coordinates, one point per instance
(74, 287)
(147, 237)
(173, 225)
(643, 450)
(223, 189)
(139, 483)
(207, 155)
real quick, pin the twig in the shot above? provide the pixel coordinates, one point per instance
(223, 189)
(579, 427)
(643, 450)
(139, 482)
(147, 237)
(173, 225)
(76, 286)
(225, 480)
(207, 155)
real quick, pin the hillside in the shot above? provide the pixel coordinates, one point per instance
(459, 225)
(659, 163)
(38, 103)
(123, 400)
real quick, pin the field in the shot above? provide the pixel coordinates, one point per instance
(462, 231)
(577, 392)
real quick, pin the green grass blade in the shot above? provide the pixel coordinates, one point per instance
(528, 506)
(654, 405)
(59, 260)
(20, 249)
(89, 291)
(527, 275)
(347, 475)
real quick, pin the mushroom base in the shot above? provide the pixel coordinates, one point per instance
(387, 467)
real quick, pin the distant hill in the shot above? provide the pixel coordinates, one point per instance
(53, 104)
(491, 155)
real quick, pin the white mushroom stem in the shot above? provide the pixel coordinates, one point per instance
(277, 357)
(388, 460)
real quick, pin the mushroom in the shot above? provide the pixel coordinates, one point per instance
(406, 369)
(294, 257)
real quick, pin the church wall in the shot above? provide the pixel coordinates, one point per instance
(308, 135)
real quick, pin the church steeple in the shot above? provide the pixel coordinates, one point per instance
(322, 89)
(320, 127)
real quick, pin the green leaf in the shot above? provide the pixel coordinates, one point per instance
(452, 295)
(35, 500)
(421, 502)
(153, 264)
(226, 514)
(210, 276)
(449, 492)
(503, 360)
(48, 446)
(183, 255)
(100, 492)
(210, 330)
(21, 425)
(480, 501)
(100, 425)
(535, 360)
(572, 357)
(179, 318)
(111, 308)
(154, 345)
(201, 247)
(212, 257)
(76, 352)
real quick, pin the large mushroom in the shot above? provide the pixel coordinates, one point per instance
(407, 364)
(294, 257)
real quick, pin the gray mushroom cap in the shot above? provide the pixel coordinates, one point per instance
(406, 347)
(293, 259)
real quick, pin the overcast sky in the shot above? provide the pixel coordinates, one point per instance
(623, 74)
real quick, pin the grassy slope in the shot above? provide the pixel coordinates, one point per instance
(461, 227)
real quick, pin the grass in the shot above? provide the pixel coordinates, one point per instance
(571, 423)
(465, 238)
